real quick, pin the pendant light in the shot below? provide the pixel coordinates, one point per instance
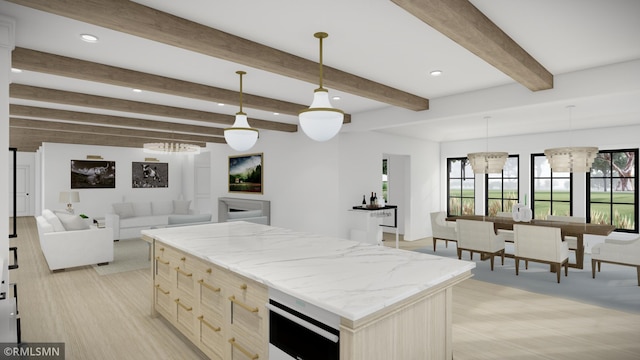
(240, 136)
(487, 162)
(321, 121)
(573, 158)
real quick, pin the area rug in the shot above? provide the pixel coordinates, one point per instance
(128, 255)
(615, 287)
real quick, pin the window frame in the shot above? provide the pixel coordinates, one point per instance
(502, 179)
(611, 179)
(551, 177)
(462, 178)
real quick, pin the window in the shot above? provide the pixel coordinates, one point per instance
(611, 196)
(551, 190)
(502, 189)
(460, 187)
(385, 181)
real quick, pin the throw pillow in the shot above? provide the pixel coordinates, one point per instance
(53, 220)
(181, 207)
(124, 210)
(72, 222)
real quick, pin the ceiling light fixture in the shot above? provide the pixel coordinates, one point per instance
(171, 148)
(241, 136)
(16, 70)
(137, 90)
(487, 162)
(436, 73)
(573, 158)
(321, 121)
(89, 38)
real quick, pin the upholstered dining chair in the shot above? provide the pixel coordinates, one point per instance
(572, 241)
(480, 237)
(620, 252)
(442, 229)
(507, 234)
(541, 244)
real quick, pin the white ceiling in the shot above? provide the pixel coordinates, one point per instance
(377, 40)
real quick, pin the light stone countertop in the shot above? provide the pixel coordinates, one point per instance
(347, 278)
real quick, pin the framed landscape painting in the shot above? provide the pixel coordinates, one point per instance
(92, 174)
(149, 175)
(245, 173)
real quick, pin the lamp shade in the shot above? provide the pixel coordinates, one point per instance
(63, 197)
(571, 159)
(74, 196)
(321, 121)
(487, 162)
(241, 136)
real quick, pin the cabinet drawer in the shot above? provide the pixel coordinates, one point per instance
(163, 268)
(210, 336)
(248, 317)
(241, 350)
(185, 281)
(163, 301)
(211, 298)
(185, 318)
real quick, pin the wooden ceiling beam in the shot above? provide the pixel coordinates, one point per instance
(138, 20)
(42, 62)
(95, 130)
(110, 120)
(463, 23)
(27, 92)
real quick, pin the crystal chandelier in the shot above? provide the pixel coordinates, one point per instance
(487, 162)
(170, 148)
(241, 136)
(321, 121)
(572, 158)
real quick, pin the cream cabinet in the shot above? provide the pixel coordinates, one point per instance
(221, 312)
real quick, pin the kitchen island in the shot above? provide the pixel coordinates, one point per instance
(212, 283)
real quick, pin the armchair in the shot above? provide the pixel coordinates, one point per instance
(480, 237)
(508, 234)
(620, 252)
(571, 240)
(541, 244)
(442, 229)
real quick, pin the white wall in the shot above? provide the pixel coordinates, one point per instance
(55, 162)
(525, 145)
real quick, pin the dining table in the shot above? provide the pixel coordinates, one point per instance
(577, 230)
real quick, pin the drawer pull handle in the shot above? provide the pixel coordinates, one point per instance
(183, 258)
(166, 262)
(166, 292)
(188, 308)
(215, 289)
(246, 352)
(161, 249)
(202, 320)
(243, 287)
(209, 270)
(245, 306)
(183, 272)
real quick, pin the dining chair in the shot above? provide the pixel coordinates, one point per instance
(507, 234)
(620, 252)
(541, 244)
(442, 229)
(572, 241)
(480, 237)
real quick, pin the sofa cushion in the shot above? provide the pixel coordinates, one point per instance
(181, 207)
(44, 226)
(124, 210)
(162, 207)
(141, 208)
(143, 221)
(186, 219)
(72, 222)
(53, 220)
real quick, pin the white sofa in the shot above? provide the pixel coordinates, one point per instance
(129, 218)
(67, 241)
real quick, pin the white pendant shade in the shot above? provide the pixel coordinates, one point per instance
(241, 137)
(571, 159)
(321, 121)
(487, 162)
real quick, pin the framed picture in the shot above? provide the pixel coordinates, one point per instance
(245, 173)
(149, 175)
(93, 174)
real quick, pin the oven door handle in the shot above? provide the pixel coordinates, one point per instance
(322, 332)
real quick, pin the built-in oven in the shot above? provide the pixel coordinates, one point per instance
(301, 331)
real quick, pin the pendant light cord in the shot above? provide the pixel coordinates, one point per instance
(240, 73)
(320, 35)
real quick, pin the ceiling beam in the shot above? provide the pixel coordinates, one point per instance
(463, 23)
(32, 60)
(138, 20)
(95, 130)
(116, 121)
(27, 92)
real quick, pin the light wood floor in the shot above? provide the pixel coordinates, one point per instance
(107, 317)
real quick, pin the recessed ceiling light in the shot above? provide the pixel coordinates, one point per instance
(220, 104)
(89, 38)
(137, 90)
(15, 70)
(436, 73)
(336, 97)
(276, 113)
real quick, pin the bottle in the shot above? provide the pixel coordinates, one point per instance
(375, 199)
(371, 199)
(364, 202)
